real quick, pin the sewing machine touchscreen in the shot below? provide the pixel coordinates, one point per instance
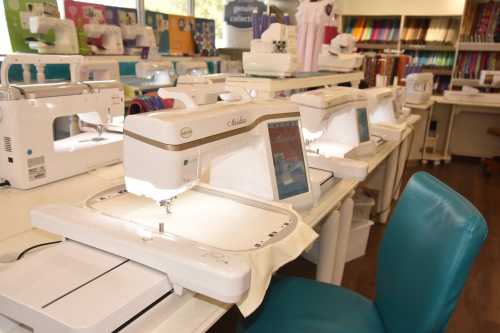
(288, 158)
(362, 119)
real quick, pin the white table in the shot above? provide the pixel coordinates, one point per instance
(425, 111)
(331, 216)
(268, 87)
(467, 106)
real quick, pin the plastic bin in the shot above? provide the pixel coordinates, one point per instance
(363, 205)
(358, 238)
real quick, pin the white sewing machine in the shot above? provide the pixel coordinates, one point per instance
(105, 39)
(136, 37)
(150, 75)
(42, 137)
(102, 69)
(388, 118)
(205, 89)
(336, 130)
(191, 68)
(265, 133)
(340, 55)
(65, 37)
(275, 54)
(419, 87)
(124, 254)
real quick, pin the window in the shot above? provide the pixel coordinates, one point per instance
(176, 7)
(211, 9)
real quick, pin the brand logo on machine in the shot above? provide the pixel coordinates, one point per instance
(186, 132)
(236, 121)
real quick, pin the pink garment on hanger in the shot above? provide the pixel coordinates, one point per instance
(312, 17)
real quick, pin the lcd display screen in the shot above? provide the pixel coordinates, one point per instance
(288, 158)
(363, 129)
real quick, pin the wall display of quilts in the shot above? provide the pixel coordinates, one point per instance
(204, 37)
(17, 14)
(87, 13)
(159, 23)
(181, 35)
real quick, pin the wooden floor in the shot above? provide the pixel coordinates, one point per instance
(479, 306)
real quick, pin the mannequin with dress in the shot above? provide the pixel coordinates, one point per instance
(312, 17)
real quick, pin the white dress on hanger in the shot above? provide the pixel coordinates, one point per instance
(312, 17)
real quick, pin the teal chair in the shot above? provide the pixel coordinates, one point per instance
(425, 257)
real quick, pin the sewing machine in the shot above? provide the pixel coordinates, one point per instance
(419, 87)
(274, 54)
(340, 55)
(124, 254)
(191, 68)
(41, 125)
(206, 89)
(65, 37)
(105, 39)
(274, 145)
(137, 37)
(150, 75)
(231, 66)
(336, 131)
(99, 70)
(388, 118)
(99, 74)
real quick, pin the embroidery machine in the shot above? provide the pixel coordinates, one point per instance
(336, 130)
(137, 37)
(205, 89)
(128, 254)
(194, 79)
(104, 39)
(340, 55)
(419, 87)
(65, 37)
(42, 139)
(388, 118)
(274, 54)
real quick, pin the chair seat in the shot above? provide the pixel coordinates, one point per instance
(301, 305)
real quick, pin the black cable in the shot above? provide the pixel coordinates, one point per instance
(34, 247)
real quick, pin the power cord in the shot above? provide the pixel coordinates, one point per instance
(19, 257)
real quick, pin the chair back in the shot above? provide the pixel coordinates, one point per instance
(428, 249)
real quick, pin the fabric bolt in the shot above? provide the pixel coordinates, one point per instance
(312, 18)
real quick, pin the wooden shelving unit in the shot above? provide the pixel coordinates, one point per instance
(478, 47)
(471, 56)
(376, 46)
(428, 47)
(420, 49)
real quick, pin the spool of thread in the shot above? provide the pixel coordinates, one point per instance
(264, 23)
(286, 19)
(148, 103)
(330, 33)
(255, 25)
(273, 19)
